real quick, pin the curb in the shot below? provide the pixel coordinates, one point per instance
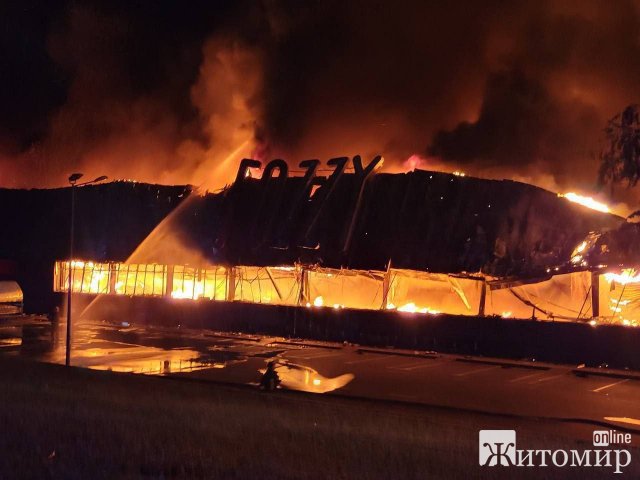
(307, 344)
(399, 354)
(581, 372)
(503, 364)
(233, 337)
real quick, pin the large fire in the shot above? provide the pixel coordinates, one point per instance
(627, 276)
(623, 300)
(585, 201)
(413, 308)
(563, 297)
(278, 285)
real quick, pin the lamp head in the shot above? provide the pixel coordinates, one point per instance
(74, 177)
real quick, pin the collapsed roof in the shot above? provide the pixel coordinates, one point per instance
(422, 220)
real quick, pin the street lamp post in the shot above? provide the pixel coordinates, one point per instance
(73, 181)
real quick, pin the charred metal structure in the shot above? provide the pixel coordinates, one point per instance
(427, 221)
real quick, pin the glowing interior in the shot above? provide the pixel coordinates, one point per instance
(565, 296)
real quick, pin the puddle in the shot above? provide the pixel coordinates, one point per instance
(157, 351)
(268, 354)
(299, 377)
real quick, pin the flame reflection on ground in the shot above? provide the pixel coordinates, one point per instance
(306, 379)
(166, 351)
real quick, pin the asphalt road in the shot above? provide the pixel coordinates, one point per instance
(487, 385)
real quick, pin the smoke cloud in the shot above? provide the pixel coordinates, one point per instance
(499, 89)
(146, 99)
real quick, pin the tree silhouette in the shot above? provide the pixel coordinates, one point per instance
(621, 159)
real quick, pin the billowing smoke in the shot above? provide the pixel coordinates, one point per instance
(506, 90)
(501, 89)
(147, 99)
(227, 95)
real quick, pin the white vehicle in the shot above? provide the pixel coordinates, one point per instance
(11, 298)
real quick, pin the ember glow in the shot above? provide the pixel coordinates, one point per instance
(412, 308)
(586, 202)
(582, 249)
(578, 255)
(627, 276)
(623, 291)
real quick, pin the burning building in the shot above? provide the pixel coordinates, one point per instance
(418, 260)
(421, 242)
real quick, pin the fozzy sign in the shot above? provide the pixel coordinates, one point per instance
(278, 168)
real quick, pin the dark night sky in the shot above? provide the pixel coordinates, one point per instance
(165, 91)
